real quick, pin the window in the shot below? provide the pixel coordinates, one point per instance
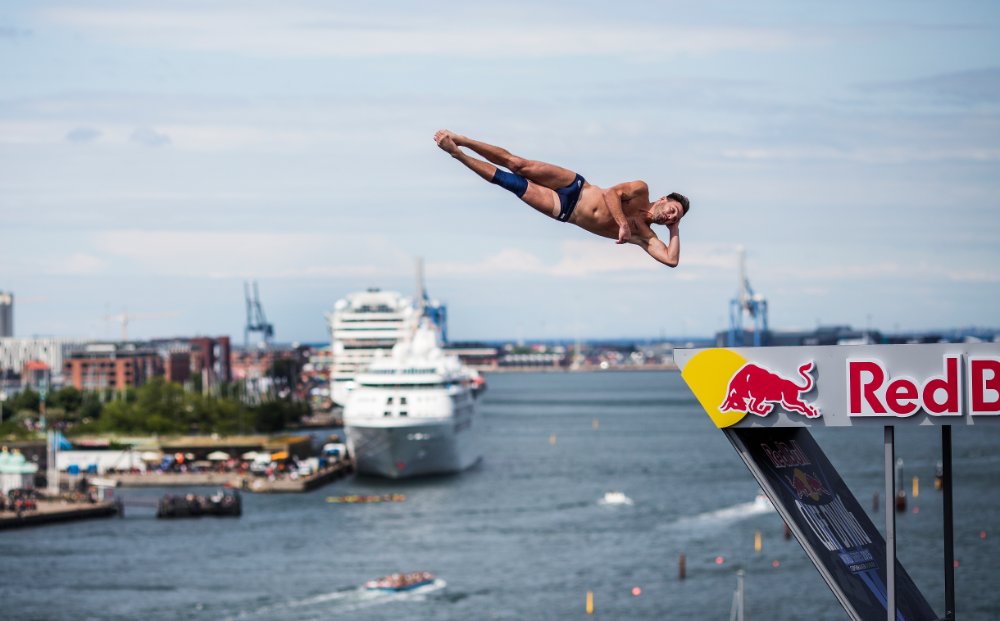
(403, 413)
(402, 400)
(386, 413)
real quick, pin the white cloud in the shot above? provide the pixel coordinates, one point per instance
(865, 155)
(245, 255)
(205, 136)
(76, 264)
(879, 272)
(982, 276)
(83, 135)
(300, 33)
(147, 136)
(584, 259)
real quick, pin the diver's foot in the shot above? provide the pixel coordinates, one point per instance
(446, 140)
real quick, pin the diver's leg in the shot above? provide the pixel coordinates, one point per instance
(542, 173)
(541, 198)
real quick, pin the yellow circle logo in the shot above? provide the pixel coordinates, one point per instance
(708, 374)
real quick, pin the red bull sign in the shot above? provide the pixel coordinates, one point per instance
(947, 383)
(763, 399)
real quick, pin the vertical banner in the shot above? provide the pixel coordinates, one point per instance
(827, 520)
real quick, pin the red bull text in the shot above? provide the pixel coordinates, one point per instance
(871, 391)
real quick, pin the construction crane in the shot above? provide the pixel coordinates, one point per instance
(746, 304)
(125, 317)
(256, 320)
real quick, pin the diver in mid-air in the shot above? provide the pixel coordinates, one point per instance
(622, 212)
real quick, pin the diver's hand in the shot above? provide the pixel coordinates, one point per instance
(624, 233)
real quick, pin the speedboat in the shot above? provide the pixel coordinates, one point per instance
(401, 582)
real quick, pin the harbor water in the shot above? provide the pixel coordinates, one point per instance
(524, 534)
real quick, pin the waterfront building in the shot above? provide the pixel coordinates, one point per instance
(36, 375)
(320, 361)
(206, 357)
(110, 365)
(15, 353)
(533, 360)
(6, 314)
(279, 447)
(214, 356)
(478, 356)
(15, 471)
(843, 335)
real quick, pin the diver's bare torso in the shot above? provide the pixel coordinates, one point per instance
(592, 213)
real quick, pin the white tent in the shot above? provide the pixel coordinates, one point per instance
(218, 456)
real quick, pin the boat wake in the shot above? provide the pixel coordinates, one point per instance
(758, 506)
(345, 600)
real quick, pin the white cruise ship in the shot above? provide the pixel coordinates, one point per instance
(367, 322)
(413, 412)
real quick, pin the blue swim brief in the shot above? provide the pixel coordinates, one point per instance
(568, 196)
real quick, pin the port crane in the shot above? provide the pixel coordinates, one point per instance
(746, 304)
(256, 319)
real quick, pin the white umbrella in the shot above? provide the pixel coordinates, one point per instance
(218, 456)
(151, 456)
(249, 455)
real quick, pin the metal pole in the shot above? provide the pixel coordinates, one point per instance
(739, 594)
(949, 529)
(890, 523)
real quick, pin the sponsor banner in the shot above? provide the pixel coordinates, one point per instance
(829, 523)
(846, 385)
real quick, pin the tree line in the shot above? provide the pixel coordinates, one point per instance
(156, 407)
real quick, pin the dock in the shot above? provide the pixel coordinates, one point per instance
(288, 485)
(174, 479)
(236, 480)
(52, 511)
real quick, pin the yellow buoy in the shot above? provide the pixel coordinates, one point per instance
(590, 602)
(552, 439)
(916, 486)
(756, 541)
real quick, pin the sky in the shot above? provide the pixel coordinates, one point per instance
(155, 156)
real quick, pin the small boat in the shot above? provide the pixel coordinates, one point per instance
(615, 498)
(401, 582)
(224, 503)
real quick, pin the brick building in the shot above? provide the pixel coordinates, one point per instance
(112, 366)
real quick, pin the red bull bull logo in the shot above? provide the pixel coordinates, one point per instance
(754, 389)
(806, 485)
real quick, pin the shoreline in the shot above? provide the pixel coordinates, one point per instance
(586, 369)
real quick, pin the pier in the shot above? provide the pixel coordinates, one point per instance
(286, 485)
(237, 480)
(52, 511)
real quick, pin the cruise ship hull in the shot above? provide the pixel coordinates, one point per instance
(422, 448)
